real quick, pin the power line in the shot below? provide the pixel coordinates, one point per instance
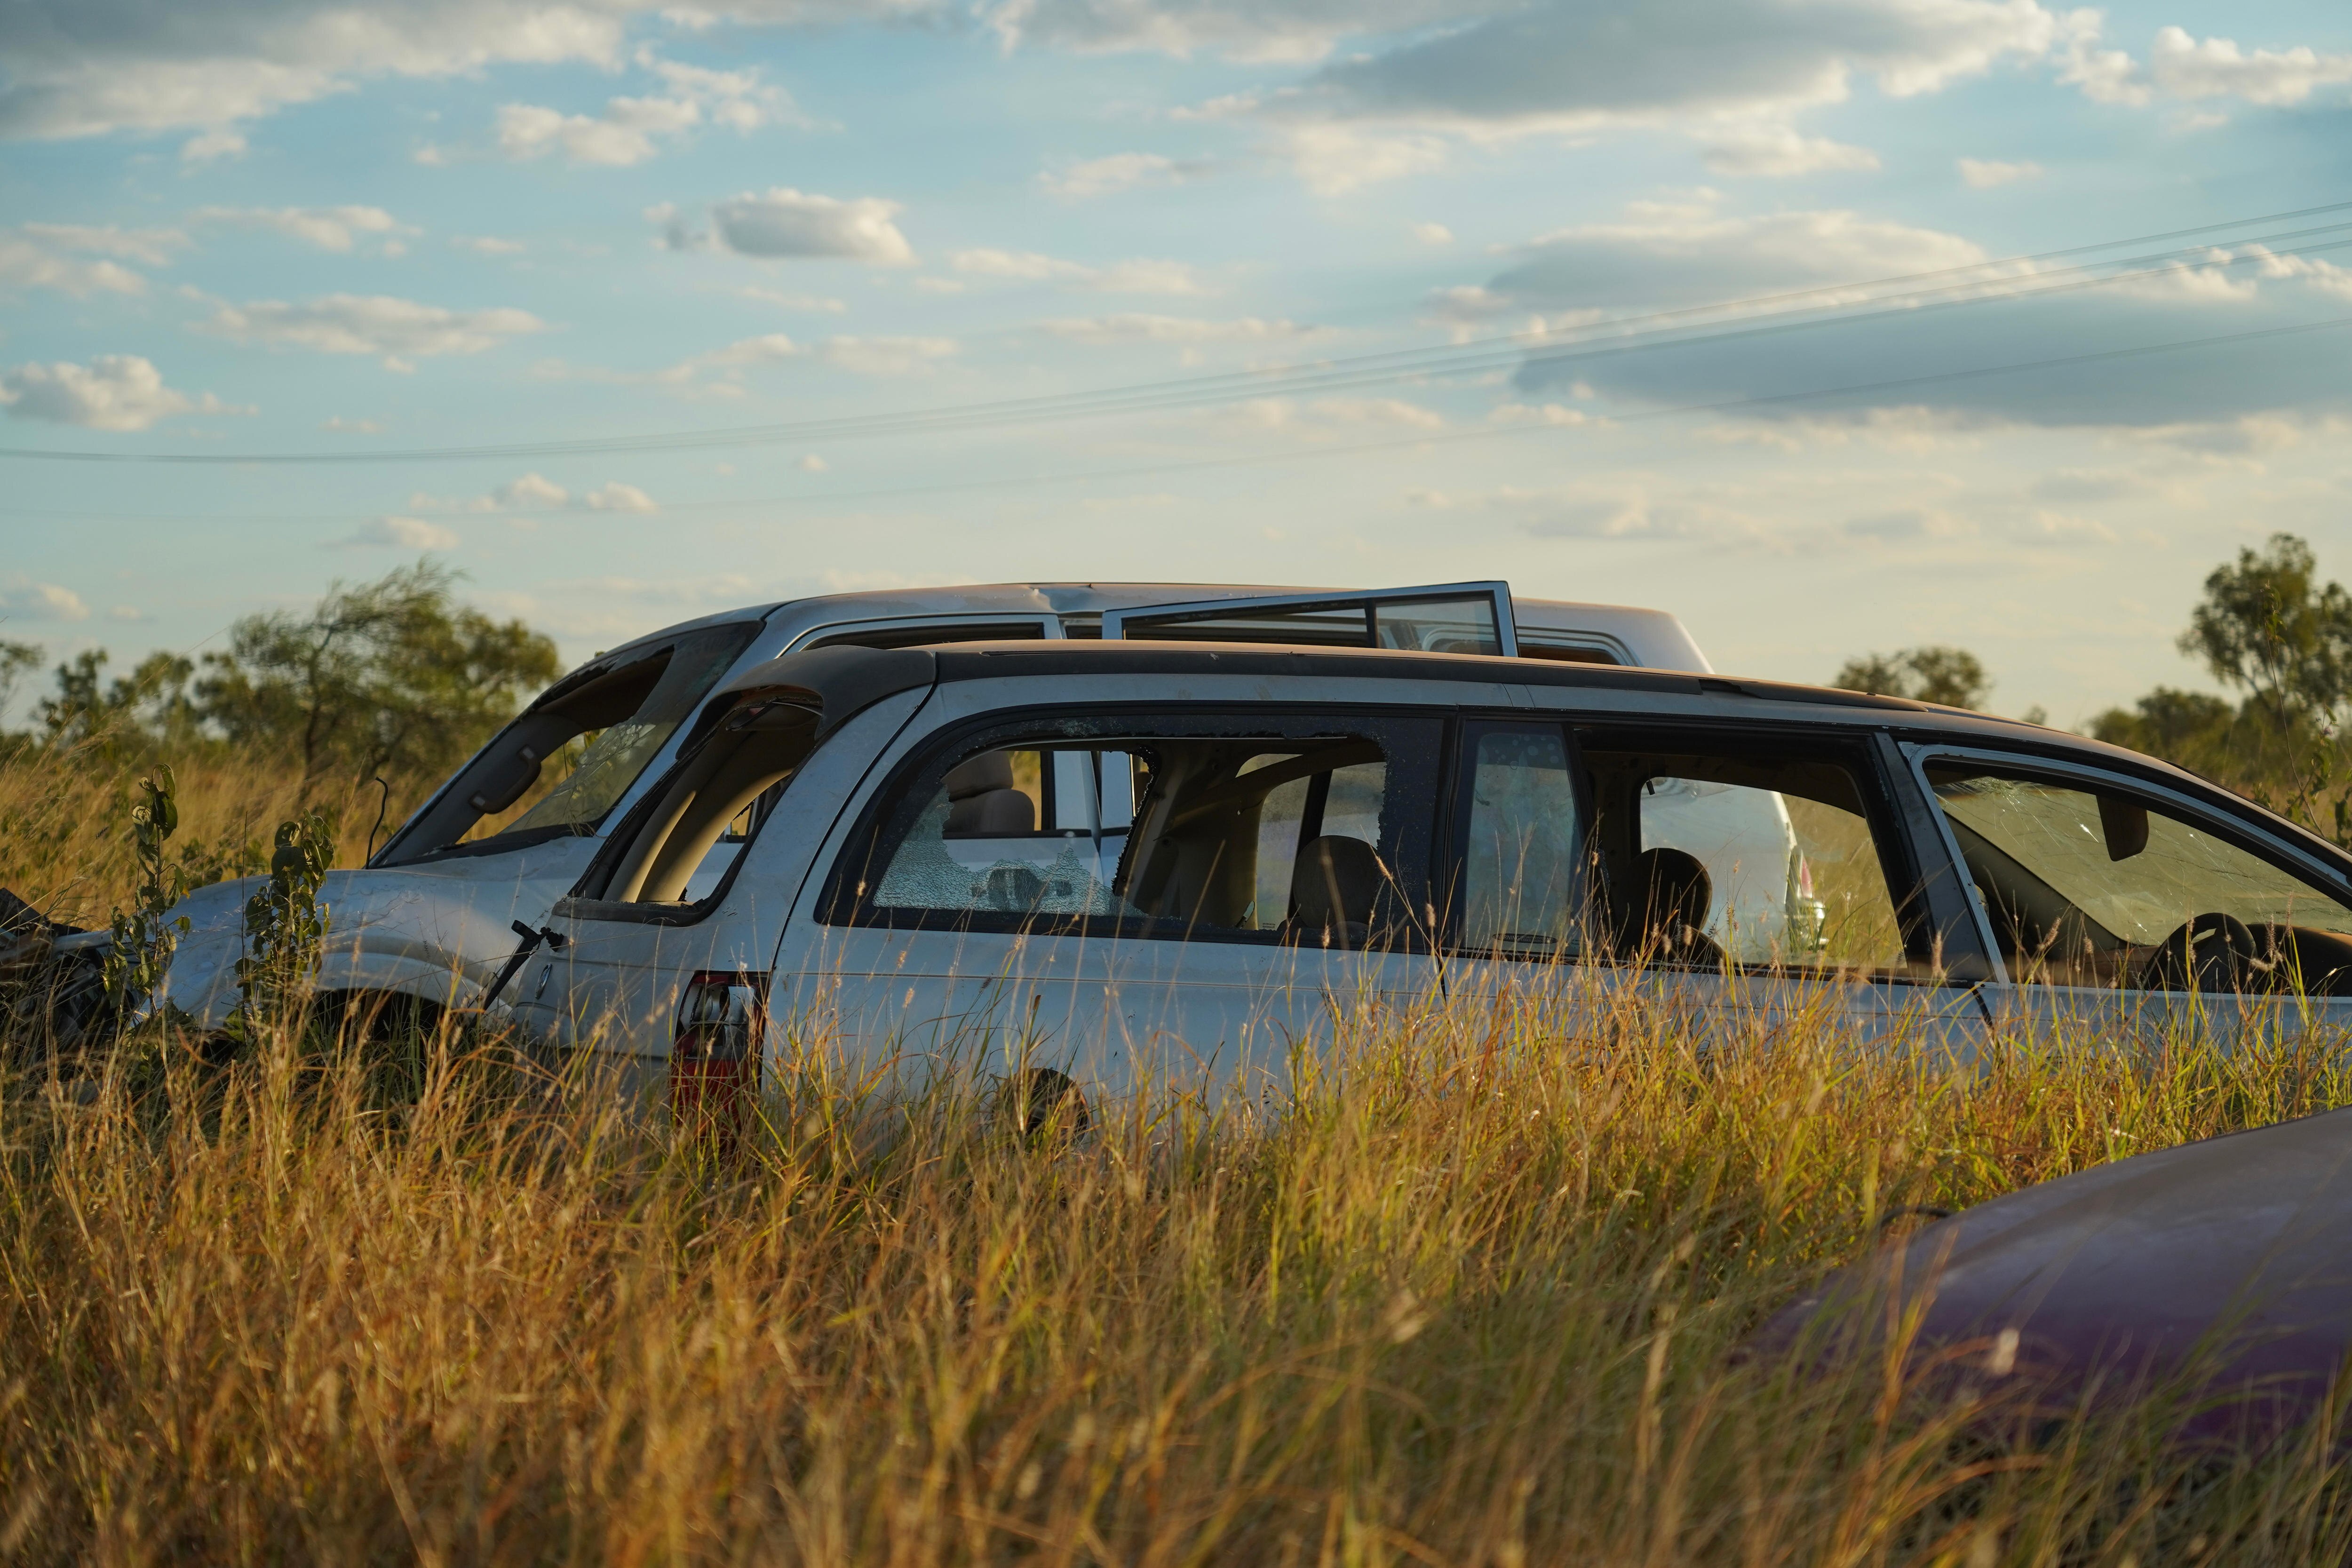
(1610, 336)
(1720, 406)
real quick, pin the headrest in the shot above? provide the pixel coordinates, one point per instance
(978, 775)
(1334, 881)
(1672, 889)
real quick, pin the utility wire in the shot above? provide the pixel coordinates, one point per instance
(1355, 370)
(1720, 406)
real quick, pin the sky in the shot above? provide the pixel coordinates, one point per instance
(1830, 326)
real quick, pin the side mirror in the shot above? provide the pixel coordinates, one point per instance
(2125, 825)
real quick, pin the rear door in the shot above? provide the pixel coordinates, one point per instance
(1746, 880)
(1131, 894)
(1445, 617)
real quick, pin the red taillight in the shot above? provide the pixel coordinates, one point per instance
(714, 1053)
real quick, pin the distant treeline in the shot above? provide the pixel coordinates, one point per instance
(2268, 630)
(390, 680)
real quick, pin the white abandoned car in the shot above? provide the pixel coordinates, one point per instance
(1128, 863)
(428, 924)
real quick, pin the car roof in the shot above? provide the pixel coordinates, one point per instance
(1658, 638)
(839, 679)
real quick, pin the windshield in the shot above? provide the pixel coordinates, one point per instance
(674, 681)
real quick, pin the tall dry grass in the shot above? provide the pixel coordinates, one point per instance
(1474, 1297)
(65, 842)
(1475, 1294)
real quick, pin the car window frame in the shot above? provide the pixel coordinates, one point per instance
(2225, 819)
(889, 807)
(1451, 884)
(1922, 907)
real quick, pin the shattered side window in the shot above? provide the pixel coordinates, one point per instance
(1019, 832)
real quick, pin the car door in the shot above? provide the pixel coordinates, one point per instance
(2122, 910)
(1442, 617)
(1134, 894)
(1739, 881)
(640, 928)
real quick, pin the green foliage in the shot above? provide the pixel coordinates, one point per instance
(2264, 627)
(391, 677)
(1951, 676)
(146, 935)
(150, 704)
(2189, 729)
(17, 660)
(285, 926)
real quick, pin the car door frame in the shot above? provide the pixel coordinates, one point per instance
(1191, 967)
(1933, 875)
(2251, 838)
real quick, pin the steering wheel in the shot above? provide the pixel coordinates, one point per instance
(2213, 951)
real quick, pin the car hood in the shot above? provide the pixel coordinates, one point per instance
(2229, 1260)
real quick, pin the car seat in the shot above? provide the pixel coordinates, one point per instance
(1333, 884)
(1672, 892)
(982, 801)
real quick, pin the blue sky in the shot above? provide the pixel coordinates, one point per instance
(288, 228)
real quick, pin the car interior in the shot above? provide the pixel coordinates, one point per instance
(1213, 834)
(2099, 889)
(1675, 832)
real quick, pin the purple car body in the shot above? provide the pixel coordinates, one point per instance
(2224, 1267)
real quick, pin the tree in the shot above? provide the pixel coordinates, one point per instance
(151, 703)
(1951, 676)
(2263, 627)
(391, 677)
(2190, 729)
(18, 660)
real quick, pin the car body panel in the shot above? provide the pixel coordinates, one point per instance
(2228, 1261)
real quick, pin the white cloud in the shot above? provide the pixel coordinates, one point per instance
(128, 612)
(206, 146)
(1264, 30)
(818, 303)
(488, 244)
(1984, 173)
(614, 495)
(886, 356)
(1665, 253)
(83, 68)
(1335, 159)
(1433, 234)
(811, 464)
(80, 260)
(1778, 152)
(21, 598)
(530, 490)
(327, 228)
(631, 130)
(400, 532)
(1598, 511)
(369, 324)
(1139, 276)
(351, 427)
(1138, 328)
(2181, 66)
(788, 223)
(113, 392)
(1324, 417)
(2184, 67)
(1119, 172)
